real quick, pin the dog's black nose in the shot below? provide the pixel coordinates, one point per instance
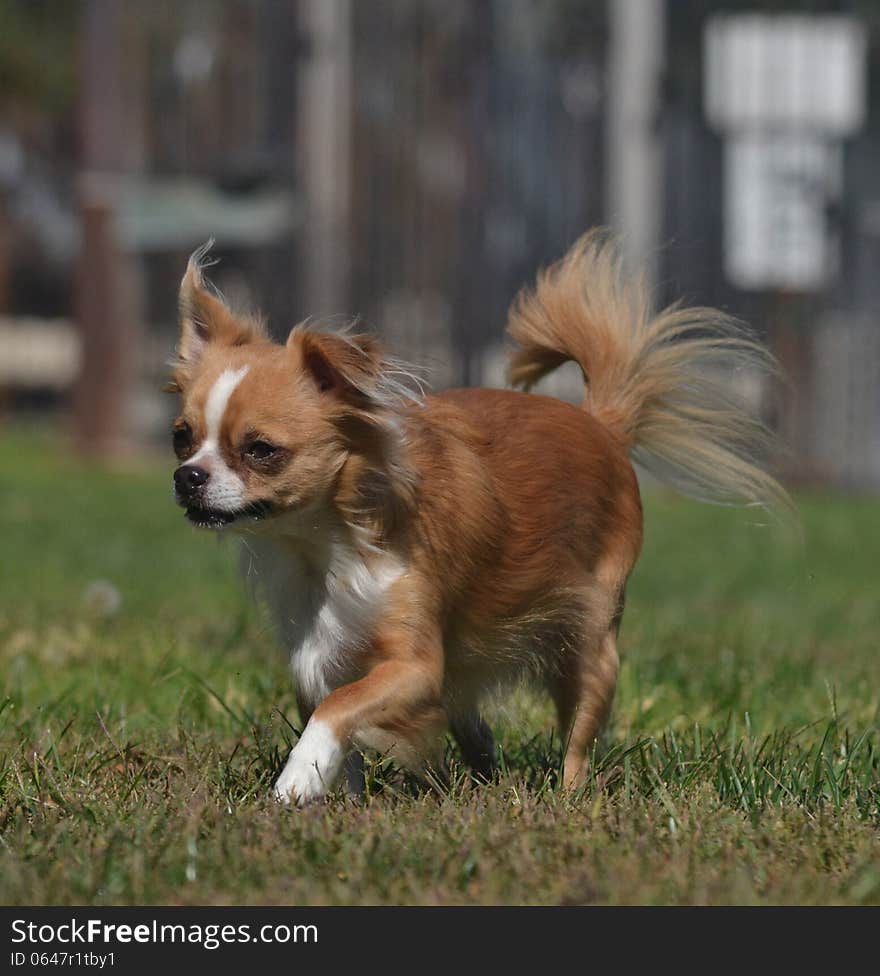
(188, 477)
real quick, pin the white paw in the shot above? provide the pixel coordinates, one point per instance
(312, 768)
(299, 784)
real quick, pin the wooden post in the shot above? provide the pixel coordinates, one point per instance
(5, 251)
(104, 310)
(634, 156)
(323, 147)
(789, 340)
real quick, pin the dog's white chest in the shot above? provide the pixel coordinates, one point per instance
(324, 617)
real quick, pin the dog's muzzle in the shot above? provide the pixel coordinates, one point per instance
(190, 482)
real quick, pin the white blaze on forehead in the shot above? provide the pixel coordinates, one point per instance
(215, 407)
(218, 398)
(225, 490)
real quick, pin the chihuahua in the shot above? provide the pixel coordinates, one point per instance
(417, 552)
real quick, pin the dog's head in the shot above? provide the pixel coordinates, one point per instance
(267, 430)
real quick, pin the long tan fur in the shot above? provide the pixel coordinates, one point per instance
(418, 553)
(661, 383)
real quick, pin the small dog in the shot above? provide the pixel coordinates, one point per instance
(419, 551)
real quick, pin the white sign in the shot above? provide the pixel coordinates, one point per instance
(783, 90)
(776, 193)
(789, 71)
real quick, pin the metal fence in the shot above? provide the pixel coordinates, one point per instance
(413, 162)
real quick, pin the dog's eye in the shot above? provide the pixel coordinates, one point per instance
(260, 450)
(182, 439)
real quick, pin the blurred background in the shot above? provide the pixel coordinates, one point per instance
(413, 162)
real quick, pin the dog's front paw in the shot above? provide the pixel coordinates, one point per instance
(299, 785)
(312, 768)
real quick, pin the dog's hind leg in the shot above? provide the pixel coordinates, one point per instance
(583, 693)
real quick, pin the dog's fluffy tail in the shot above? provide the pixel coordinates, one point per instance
(660, 383)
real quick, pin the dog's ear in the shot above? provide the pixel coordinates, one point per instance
(345, 366)
(206, 319)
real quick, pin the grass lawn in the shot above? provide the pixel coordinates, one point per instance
(138, 743)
